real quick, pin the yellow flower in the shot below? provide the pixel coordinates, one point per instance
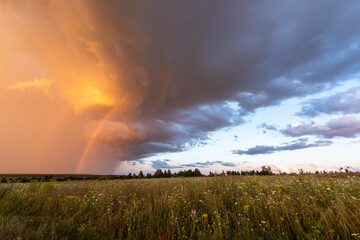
(246, 206)
(204, 215)
(70, 197)
(279, 185)
(331, 230)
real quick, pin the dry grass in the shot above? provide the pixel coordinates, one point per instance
(268, 207)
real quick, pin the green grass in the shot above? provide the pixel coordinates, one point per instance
(256, 207)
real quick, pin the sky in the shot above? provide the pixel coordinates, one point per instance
(112, 87)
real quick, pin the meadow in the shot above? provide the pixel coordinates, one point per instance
(231, 207)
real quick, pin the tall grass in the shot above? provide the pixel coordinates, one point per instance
(256, 207)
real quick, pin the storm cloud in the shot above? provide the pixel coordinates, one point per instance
(196, 63)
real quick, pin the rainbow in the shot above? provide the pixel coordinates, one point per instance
(98, 128)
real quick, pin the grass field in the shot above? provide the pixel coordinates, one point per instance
(254, 207)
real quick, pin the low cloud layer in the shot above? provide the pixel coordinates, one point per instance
(347, 102)
(294, 145)
(180, 131)
(346, 126)
(164, 164)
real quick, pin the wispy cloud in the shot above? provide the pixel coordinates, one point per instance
(266, 127)
(164, 164)
(344, 102)
(345, 126)
(294, 145)
(43, 85)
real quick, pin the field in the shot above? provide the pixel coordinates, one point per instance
(252, 207)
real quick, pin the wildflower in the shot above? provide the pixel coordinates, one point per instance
(279, 185)
(70, 197)
(246, 206)
(331, 230)
(204, 215)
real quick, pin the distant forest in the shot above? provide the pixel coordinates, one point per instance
(265, 170)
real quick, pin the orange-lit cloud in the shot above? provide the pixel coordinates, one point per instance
(43, 85)
(84, 95)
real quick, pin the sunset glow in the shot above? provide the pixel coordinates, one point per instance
(121, 86)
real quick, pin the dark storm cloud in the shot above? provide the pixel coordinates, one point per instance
(345, 126)
(163, 164)
(194, 57)
(180, 131)
(294, 145)
(344, 102)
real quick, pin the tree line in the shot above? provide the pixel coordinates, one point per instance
(158, 174)
(265, 170)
